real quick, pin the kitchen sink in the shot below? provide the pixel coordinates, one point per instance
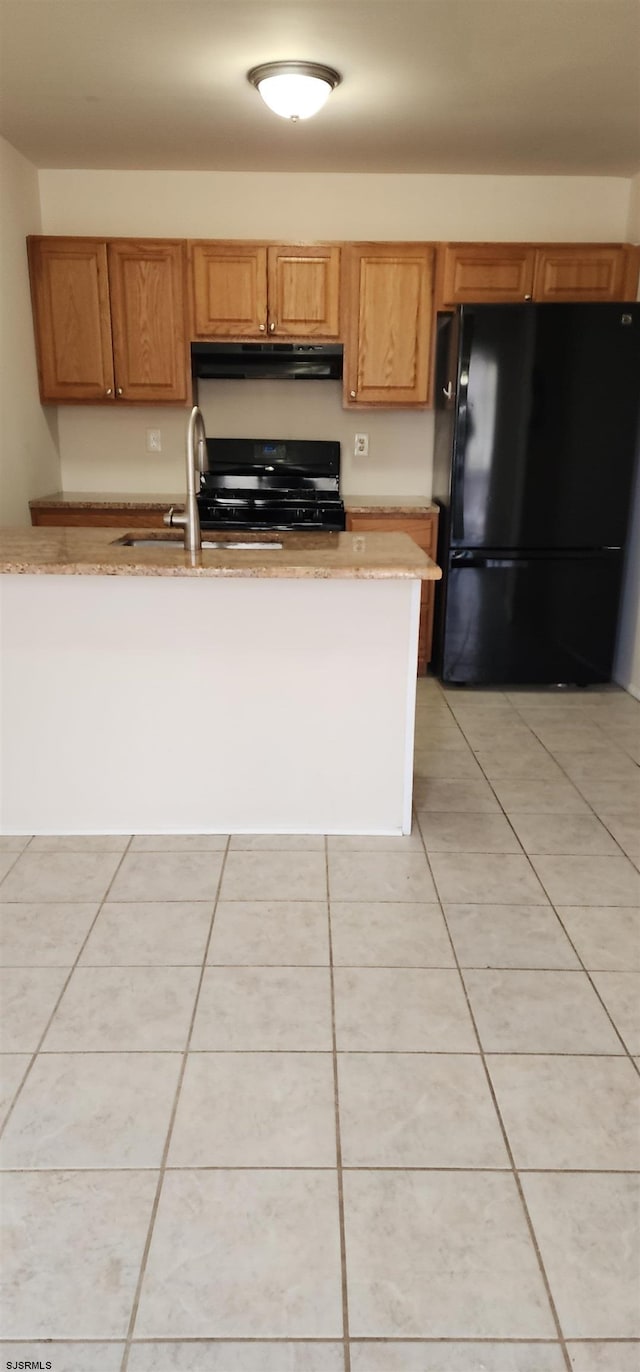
(130, 541)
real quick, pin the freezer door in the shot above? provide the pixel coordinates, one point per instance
(547, 619)
(546, 426)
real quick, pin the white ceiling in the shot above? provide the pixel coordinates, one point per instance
(502, 86)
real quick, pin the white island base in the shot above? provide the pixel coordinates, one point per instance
(143, 704)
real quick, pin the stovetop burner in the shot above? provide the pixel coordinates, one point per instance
(271, 483)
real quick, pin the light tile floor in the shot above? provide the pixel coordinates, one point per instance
(283, 1104)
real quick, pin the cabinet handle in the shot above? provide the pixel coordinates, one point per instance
(119, 390)
(527, 297)
(272, 326)
(262, 327)
(108, 391)
(352, 394)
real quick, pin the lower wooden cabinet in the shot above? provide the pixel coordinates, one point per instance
(96, 516)
(423, 529)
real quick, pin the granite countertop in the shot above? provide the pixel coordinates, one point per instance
(119, 500)
(389, 504)
(112, 500)
(97, 552)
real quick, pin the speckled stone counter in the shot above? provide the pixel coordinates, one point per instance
(108, 500)
(388, 505)
(100, 552)
(121, 500)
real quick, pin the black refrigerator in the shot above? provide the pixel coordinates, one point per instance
(537, 414)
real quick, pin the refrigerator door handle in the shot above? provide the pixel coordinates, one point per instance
(460, 454)
(476, 560)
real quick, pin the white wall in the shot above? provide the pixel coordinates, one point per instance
(627, 664)
(105, 450)
(29, 462)
(297, 205)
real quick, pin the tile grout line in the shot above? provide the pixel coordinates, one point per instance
(514, 1170)
(302, 967)
(129, 1338)
(325, 1052)
(409, 1340)
(573, 783)
(326, 1167)
(585, 969)
(583, 966)
(172, 1118)
(65, 984)
(336, 1093)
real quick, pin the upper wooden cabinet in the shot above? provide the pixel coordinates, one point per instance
(249, 290)
(472, 273)
(389, 324)
(72, 320)
(146, 282)
(572, 272)
(304, 291)
(492, 273)
(228, 290)
(109, 320)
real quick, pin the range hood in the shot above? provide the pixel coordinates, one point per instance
(267, 361)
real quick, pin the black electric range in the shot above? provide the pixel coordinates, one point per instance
(253, 483)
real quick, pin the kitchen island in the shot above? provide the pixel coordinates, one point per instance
(268, 688)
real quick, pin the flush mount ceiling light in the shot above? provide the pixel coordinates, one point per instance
(294, 90)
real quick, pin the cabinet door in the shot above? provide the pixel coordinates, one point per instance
(573, 272)
(423, 529)
(70, 292)
(146, 282)
(304, 292)
(229, 290)
(485, 273)
(390, 318)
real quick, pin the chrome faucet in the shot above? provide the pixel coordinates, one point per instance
(189, 518)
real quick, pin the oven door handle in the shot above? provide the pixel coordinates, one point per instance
(228, 500)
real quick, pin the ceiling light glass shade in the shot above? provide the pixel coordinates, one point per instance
(294, 90)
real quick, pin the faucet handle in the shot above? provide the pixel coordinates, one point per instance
(168, 517)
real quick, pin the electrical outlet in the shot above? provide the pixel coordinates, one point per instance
(361, 445)
(154, 441)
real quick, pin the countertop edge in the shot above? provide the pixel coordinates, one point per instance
(64, 551)
(255, 572)
(85, 500)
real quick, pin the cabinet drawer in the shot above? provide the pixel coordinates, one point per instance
(96, 517)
